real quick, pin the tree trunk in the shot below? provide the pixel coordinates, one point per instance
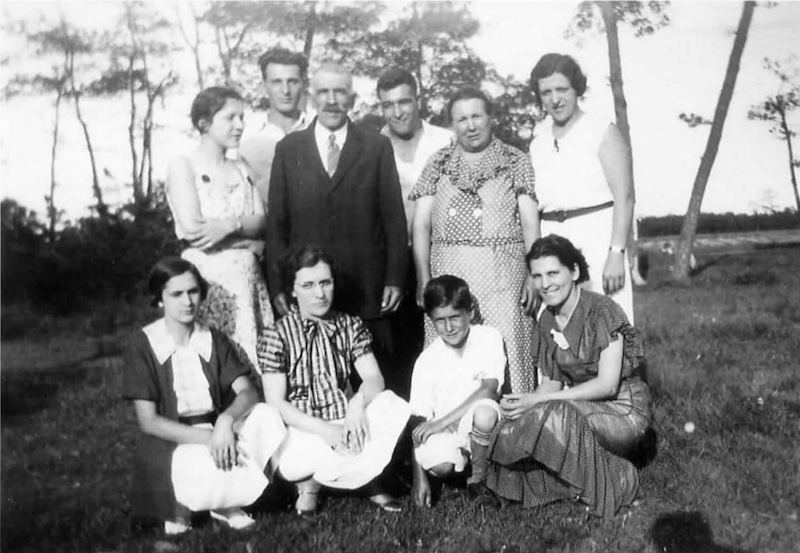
(683, 252)
(621, 112)
(788, 136)
(194, 46)
(311, 29)
(136, 179)
(102, 208)
(52, 212)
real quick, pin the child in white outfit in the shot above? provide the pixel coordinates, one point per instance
(454, 387)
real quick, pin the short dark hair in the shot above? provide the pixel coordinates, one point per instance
(167, 268)
(446, 290)
(302, 256)
(552, 63)
(562, 249)
(395, 77)
(282, 56)
(468, 93)
(208, 102)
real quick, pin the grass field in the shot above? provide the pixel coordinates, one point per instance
(722, 355)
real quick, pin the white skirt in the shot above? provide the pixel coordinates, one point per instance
(591, 234)
(201, 486)
(304, 455)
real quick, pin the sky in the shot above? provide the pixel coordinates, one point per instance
(678, 69)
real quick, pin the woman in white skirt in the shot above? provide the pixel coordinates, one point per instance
(205, 440)
(337, 436)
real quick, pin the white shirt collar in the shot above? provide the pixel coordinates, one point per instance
(164, 346)
(321, 134)
(300, 124)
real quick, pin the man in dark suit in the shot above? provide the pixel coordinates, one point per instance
(336, 185)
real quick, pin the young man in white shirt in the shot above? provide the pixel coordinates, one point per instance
(414, 142)
(284, 75)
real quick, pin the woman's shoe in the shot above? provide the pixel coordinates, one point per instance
(176, 527)
(386, 502)
(233, 517)
(305, 506)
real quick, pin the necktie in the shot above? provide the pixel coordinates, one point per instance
(333, 155)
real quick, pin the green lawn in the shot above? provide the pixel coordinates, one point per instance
(722, 355)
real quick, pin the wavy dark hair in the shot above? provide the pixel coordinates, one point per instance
(447, 290)
(562, 249)
(552, 63)
(282, 56)
(208, 102)
(167, 268)
(302, 256)
(395, 77)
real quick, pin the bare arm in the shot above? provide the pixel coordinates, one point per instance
(153, 424)
(200, 231)
(529, 217)
(617, 167)
(222, 444)
(421, 243)
(486, 390)
(604, 386)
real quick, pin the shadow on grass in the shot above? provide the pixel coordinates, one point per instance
(686, 532)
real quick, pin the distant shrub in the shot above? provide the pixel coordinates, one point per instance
(93, 261)
(713, 223)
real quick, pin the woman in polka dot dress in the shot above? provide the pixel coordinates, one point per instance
(476, 216)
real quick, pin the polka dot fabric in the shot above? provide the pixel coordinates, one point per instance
(477, 235)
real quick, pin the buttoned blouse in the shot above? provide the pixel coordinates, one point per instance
(572, 355)
(474, 203)
(318, 357)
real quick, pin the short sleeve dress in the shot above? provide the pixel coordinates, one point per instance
(567, 449)
(476, 234)
(152, 494)
(238, 302)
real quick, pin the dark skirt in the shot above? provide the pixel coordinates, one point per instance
(572, 450)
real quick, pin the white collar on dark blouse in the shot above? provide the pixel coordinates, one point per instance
(164, 346)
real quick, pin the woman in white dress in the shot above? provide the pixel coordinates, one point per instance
(218, 214)
(584, 180)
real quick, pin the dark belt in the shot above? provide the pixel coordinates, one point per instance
(563, 214)
(191, 420)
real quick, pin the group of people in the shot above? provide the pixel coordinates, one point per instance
(342, 289)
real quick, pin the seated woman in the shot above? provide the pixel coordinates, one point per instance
(205, 439)
(557, 443)
(337, 436)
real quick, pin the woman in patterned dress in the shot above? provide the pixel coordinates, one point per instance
(476, 216)
(558, 443)
(219, 215)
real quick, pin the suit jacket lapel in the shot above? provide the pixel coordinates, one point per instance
(310, 152)
(350, 152)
